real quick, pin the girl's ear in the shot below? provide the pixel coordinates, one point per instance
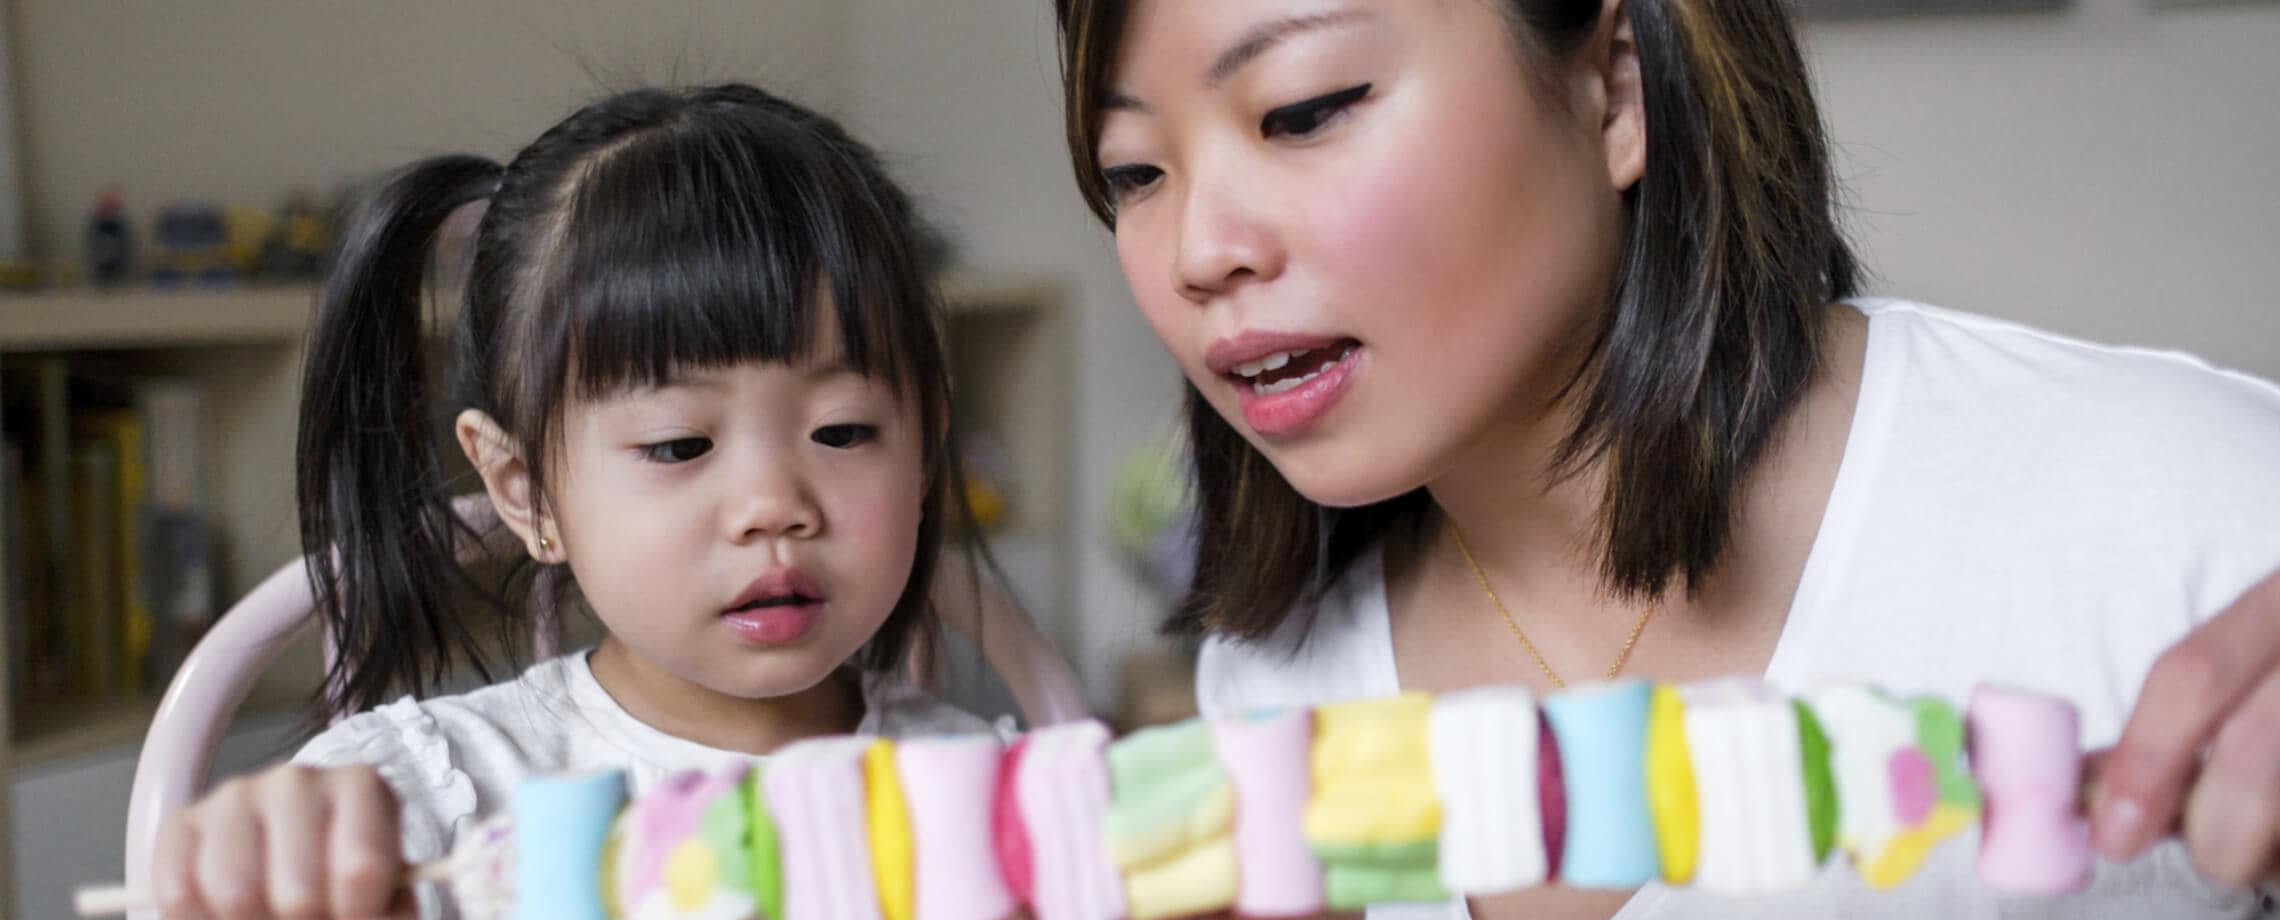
(507, 478)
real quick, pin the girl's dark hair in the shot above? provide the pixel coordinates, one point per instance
(652, 232)
(1732, 251)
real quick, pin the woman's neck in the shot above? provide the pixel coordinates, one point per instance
(690, 711)
(1534, 531)
(1516, 510)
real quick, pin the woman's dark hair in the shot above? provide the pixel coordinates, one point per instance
(1732, 250)
(650, 233)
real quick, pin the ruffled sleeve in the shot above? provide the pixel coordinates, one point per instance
(404, 742)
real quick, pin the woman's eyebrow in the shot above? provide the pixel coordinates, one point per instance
(1268, 34)
(1254, 43)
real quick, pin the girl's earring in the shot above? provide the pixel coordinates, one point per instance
(545, 546)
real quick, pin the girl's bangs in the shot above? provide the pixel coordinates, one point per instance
(711, 243)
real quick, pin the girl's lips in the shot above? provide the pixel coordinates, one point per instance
(779, 624)
(1291, 412)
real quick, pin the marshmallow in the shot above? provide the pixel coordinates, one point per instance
(1373, 818)
(1009, 834)
(683, 849)
(560, 824)
(1171, 826)
(1891, 805)
(2025, 755)
(1551, 793)
(815, 789)
(1671, 795)
(889, 822)
(1820, 783)
(1602, 733)
(948, 783)
(1062, 785)
(1748, 770)
(767, 861)
(1265, 754)
(1483, 757)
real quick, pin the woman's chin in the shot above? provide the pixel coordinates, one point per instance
(1344, 479)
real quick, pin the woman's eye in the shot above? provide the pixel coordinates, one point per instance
(678, 450)
(1123, 181)
(1299, 120)
(844, 436)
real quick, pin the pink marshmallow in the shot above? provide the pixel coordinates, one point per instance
(948, 783)
(1064, 792)
(814, 789)
(1266, 759)
(1008, 829)
(1914, 790)
(2026, 757)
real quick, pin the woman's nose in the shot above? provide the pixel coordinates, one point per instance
(1224, 240)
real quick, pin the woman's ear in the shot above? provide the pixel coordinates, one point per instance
(1623, 116)
(507, 478)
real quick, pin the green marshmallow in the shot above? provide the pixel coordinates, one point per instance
(725, 825)
(1821, 803)
(1356, 875)
(1425, 852)
(1940, 734)
(1348, 886)
(765, 870)
(1162, 776)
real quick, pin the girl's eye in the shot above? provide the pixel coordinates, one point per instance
(678, 450)
(1124, 181)
(844, 436)
(1300, 120)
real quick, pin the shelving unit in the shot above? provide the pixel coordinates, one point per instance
(91, 320)
(1009, 339)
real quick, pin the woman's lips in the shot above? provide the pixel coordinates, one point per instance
(1294, 402)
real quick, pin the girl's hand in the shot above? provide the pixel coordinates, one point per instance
(2217, 690)
(292, 841)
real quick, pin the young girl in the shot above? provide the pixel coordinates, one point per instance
(1524, 347)
(696, 364)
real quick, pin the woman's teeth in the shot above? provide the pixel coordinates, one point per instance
(1273, 362)
(1270, 389)
(1266, 382)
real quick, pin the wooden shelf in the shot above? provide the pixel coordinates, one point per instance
(91, 319)
(144, 317)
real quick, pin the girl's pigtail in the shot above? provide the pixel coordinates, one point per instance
(376, 528)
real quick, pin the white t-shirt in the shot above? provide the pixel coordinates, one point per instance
(455, 759)
(2013, 507)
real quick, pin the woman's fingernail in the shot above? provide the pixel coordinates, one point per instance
(2119, 823)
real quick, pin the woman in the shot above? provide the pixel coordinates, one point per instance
(1524, 347)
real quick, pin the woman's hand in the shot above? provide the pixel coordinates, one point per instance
(292, 841)
(2215, 691)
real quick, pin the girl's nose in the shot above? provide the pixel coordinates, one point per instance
(773, 502)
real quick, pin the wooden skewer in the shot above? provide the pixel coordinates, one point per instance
(111, 900)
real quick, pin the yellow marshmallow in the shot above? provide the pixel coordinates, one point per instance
(889, 820)
(1670, 786)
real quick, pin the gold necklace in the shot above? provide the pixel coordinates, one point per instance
(1482, 577)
